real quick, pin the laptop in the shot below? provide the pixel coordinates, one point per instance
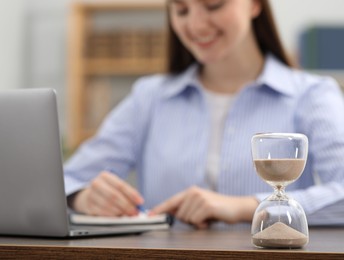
(32, 195)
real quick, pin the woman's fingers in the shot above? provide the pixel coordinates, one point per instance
(195, 208)
(123, 187)
(108, 195)
(188, 206)
(170, 205)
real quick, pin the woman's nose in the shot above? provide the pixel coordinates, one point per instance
(197, 22)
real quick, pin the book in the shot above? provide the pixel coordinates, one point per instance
(161, 221)
(320, 48)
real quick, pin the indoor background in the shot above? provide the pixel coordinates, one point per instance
(37, 35)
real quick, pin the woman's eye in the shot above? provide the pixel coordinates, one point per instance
(179, 8)
(215, 6)
(211, 5)
(182, 11)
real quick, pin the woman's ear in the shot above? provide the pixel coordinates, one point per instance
(256, 8)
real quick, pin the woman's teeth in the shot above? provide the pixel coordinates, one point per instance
(206, 39)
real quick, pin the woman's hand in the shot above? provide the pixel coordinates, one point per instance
(198, 207)
(107, 195)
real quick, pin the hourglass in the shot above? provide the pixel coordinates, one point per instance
(279, 221)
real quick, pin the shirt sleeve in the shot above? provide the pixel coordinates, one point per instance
(114, 147)
(319, 115)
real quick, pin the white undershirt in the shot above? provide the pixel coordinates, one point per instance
(218, 107)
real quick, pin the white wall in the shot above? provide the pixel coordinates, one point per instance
(11, 43)
(292, 16)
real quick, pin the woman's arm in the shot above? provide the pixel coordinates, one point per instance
(319, 115)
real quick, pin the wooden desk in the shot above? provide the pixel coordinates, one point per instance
(175, 244)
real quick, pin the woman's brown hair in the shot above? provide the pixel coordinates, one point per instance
(265, 31)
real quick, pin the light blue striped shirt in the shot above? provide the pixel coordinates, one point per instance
(161, 131)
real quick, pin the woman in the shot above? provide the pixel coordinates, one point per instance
(187, 133)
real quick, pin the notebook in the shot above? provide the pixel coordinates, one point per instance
(32, 195)
(141, 219)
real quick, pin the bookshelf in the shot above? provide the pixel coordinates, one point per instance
(109, 41)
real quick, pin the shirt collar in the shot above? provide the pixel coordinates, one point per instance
(277, 76)
(181, 82)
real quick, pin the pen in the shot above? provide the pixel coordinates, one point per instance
(141, 209)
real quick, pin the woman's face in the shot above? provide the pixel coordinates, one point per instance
(214, 30)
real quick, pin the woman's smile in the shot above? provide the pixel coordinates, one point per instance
(206, 41)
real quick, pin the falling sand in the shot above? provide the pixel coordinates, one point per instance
(279, 235)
